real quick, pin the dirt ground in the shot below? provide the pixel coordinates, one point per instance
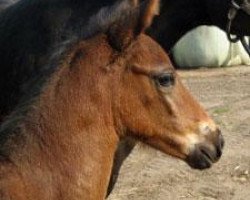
(151, 175)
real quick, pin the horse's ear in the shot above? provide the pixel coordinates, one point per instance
(133, 22)
(148, 10)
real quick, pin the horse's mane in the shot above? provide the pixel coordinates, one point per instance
(6, 3)
(99, 23)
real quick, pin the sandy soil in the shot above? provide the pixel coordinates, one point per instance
(151, 175)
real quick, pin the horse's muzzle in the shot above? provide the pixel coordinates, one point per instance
(205, 154)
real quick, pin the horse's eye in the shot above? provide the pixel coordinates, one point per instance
(165, 80)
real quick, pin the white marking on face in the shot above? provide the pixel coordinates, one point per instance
(206, 128)
(192, 139)
(171, 103)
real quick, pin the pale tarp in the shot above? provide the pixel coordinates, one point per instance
(208, 46)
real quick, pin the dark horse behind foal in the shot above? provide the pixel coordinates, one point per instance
(110, 82)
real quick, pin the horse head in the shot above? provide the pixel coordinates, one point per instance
(149, 101)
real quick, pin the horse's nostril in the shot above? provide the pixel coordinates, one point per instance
(219, 153)
(220, 145)
(221, 141)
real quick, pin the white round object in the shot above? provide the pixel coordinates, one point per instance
(208, 46)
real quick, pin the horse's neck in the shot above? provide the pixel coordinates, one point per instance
(178, 18)
(67, 142)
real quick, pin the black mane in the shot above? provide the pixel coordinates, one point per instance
(23, 53)
(6, 3)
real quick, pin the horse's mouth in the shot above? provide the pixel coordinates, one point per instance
(202, 158)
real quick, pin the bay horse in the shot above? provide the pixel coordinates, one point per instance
(31, 30)
(109, 83)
